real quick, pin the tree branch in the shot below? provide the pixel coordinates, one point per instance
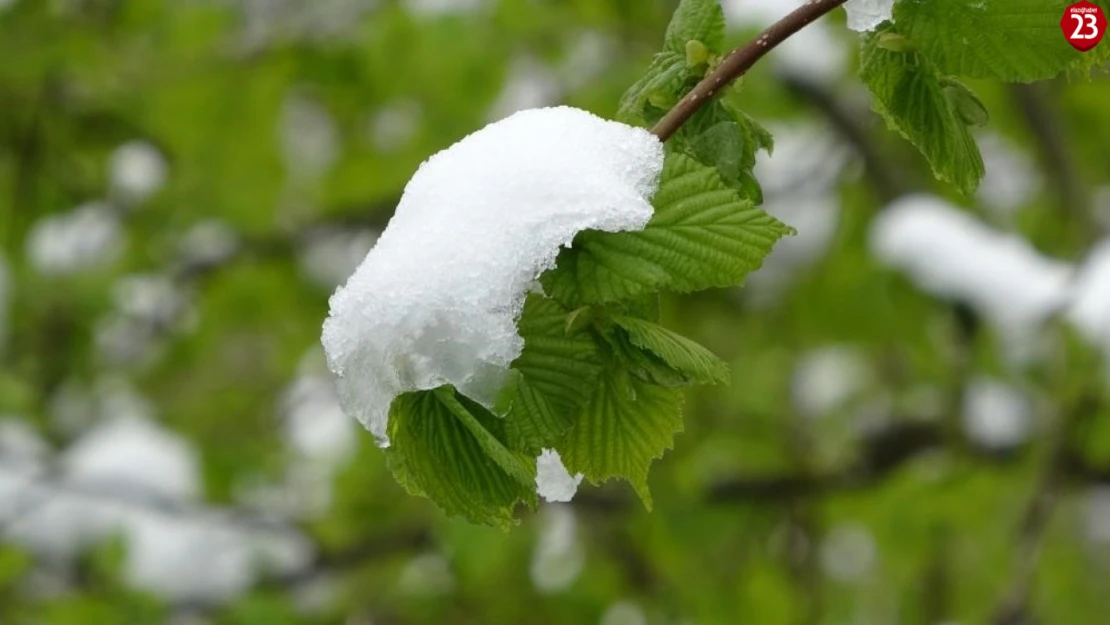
(738, 62)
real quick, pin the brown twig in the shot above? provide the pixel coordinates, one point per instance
(738, 62)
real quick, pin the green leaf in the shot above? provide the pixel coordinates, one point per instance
(1010, 40)
(721, 135)
(909, 93)
(702, 235)
(668, 76)
(696, 20)
(453, 453)
(563, 366)
(662, 83)
(532, 423)
(625, 426)
(687, 357)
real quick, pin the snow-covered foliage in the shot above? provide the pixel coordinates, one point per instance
(436, 300)
(865, 15)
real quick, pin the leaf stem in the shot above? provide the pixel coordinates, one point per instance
(738, 62)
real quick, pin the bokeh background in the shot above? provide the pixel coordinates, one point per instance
(917, 431)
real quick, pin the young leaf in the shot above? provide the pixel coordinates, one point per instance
(563, 367)
(702, 235)
(688, 358)
(532, 424)
(457, 460)
(696, 20)
(665, 81)
(909, 93)
(1011, 40)
(624, 427)
(722, 136)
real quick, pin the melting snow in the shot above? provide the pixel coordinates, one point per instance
(436, 300)
(553, 482)
(865, 15)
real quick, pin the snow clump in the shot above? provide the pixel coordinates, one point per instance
(436, 300)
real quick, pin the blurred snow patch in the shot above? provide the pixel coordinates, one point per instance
(130, 453)
(436, 300)
(589, 53)
(427, 575)
(996, 415)
(137, 170)
(329, 256)
(814, 52)
(949, 253)
(84, 239)
(267, 22)
(147, 308)
(825, 379)
(799, 181)
(553, 482)
(129, 476)
(624, 612)
(865, 15)
(432, 8)
(1097, 515)
(76, 406)
(5, 297)
(394, 125)
(1090, 306)
(529, 85)
(1011, 180)
(309, 139)
(207, 243)
(559, 555)
(848, 552)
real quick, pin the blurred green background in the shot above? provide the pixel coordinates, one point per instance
(184, 182)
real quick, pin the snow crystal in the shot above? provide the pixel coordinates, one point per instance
(949, 253)
(559, 556)
(435, 301)
(996, 415)
(553, 482)
(865, 15)
(137, 171)
(85, 238)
